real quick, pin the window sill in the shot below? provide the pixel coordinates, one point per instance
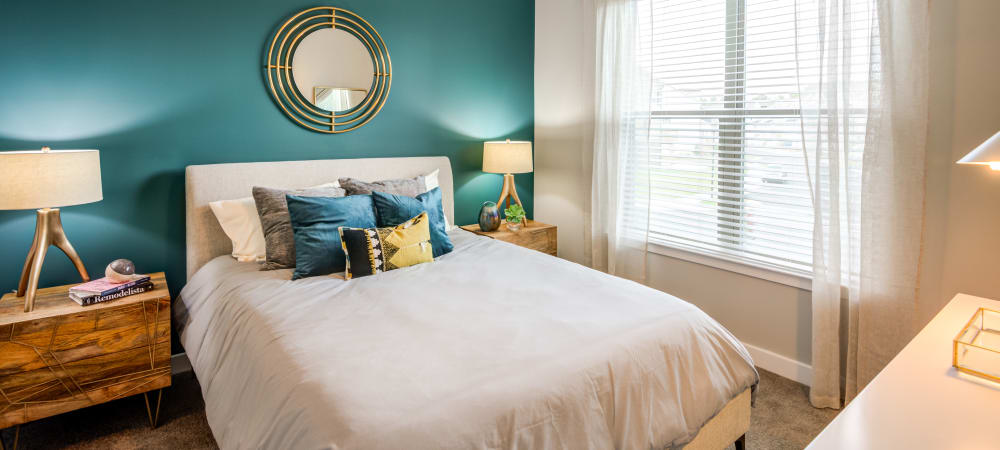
(775, 276)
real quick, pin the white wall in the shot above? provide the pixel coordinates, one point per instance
(962, 244)
(564, 119)
(972, 258)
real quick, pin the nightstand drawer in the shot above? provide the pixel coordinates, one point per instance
(542, 239)
(535, 235)
(62, 356)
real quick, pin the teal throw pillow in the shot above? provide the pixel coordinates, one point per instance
(392, 210)
(316, 222)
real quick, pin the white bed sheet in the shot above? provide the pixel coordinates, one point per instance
(490, 346)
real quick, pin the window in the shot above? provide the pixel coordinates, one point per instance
(727, 173)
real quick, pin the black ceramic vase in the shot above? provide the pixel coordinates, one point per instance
(489, 217)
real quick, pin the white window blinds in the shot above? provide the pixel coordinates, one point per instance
(727, 175)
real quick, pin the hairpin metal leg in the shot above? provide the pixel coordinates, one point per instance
(154, 416)
(17, 435)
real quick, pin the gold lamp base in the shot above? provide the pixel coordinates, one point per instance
(48, 231)
(509, 191)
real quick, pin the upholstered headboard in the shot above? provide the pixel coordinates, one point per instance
(208, 183)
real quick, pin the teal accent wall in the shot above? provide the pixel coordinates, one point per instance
(157, 86)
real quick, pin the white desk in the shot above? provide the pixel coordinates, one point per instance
(919, 401)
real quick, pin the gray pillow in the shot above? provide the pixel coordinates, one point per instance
(409, 187)
(279, 241)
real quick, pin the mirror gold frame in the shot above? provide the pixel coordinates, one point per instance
(279, 70)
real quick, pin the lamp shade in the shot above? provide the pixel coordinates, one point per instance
(507, 157)
(49, 179)
(987, 153)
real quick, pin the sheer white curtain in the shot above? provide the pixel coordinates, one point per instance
(620, 192)
(862, 81)
(864, 119)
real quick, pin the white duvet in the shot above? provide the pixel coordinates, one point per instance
(491, 346)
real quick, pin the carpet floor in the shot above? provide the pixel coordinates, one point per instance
(782, 419)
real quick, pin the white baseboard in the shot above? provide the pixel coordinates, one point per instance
(180, 363)
(781, 365)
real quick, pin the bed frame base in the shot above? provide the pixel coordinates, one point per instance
(728, 427)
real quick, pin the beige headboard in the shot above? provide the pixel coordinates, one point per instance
(208, 183)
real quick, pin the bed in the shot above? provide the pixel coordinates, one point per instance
(490, 346)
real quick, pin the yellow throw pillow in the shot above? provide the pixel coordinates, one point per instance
(374, 250)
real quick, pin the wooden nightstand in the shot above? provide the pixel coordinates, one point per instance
(536, 236)
(62, 356)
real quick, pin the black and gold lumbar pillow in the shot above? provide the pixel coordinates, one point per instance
(374, 250)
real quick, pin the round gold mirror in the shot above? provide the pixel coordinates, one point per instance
(328, 69)
(333, 70)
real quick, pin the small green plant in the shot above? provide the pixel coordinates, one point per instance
(514, 213)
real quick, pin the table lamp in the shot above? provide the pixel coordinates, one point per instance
(987, 153)
(507, 157)
(46, 180)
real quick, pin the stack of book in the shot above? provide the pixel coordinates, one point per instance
(102, 290)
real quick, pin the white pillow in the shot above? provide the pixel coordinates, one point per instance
(431, 182)
(241, 223)
(239, 220)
